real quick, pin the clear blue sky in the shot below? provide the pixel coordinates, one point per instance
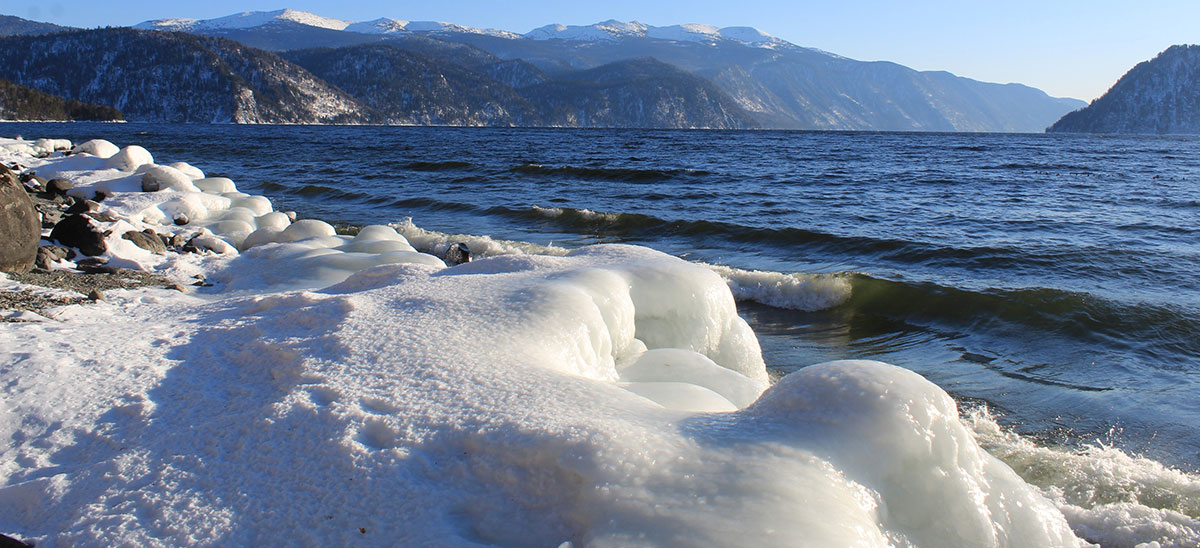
(1068, 48)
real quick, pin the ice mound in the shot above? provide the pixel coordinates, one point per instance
(98, 148)
(156, 178)
(129, 158)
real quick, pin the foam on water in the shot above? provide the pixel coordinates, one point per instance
(1108, 496)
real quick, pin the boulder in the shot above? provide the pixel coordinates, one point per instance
(47, 255)
(58, 187)
(78, 231)
(50, 217)
(458, 254)
(83, 206)
(20, 225)
(150, 242)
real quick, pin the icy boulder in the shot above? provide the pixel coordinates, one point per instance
(156, 178)
(216, 185)
(47, 146)
(96, 147)
(898, 435)
(188, 169)
(306, 228)
(129, 158)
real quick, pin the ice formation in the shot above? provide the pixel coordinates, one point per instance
(337, 389)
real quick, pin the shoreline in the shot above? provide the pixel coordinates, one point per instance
(514, 366)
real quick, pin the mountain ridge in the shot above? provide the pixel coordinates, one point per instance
(1158, 96)
(781, 85)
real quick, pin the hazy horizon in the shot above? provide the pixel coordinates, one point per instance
(1068, 49)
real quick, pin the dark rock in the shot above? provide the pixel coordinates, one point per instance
(92, 261)
(177, 240)
(181, 219)
(201, 283)
(458, 254)
(82, 206)
(58, 187)
(97, 269)
(96, 295)
(50, 217)
(178, 287)
(78, 231)
(20, 227)
(47, 255)
(32, 185)
(100, 196)
(149, 242)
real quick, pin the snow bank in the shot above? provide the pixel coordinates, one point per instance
(346, 390)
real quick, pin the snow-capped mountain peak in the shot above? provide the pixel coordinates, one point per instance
(383, 25)
(245, 20)
(252, 19)
(612, 30)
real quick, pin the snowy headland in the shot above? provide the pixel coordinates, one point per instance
(338, 389)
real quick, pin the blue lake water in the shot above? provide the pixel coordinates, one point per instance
(1055, 278)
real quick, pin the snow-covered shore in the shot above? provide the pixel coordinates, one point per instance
(351, 390)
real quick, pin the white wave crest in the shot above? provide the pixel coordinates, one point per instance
(586, 214)
(795, 291)
(436, 243)
(1108, 496)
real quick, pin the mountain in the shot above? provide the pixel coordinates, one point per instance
(176, 77)
(791, 87)
(1161, 95)
(15, 26)
(411, 88)
(644, 93)
(459, 85)
(18, 102)
(783, 85)
(255, 19)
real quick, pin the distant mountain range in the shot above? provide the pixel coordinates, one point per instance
(1161, 96)
(611, 74)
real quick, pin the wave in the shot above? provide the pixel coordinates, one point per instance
(1141, 327)
(795, 291)
(608, 174)
(891, 249)
(437, 243)
(1108, 496)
